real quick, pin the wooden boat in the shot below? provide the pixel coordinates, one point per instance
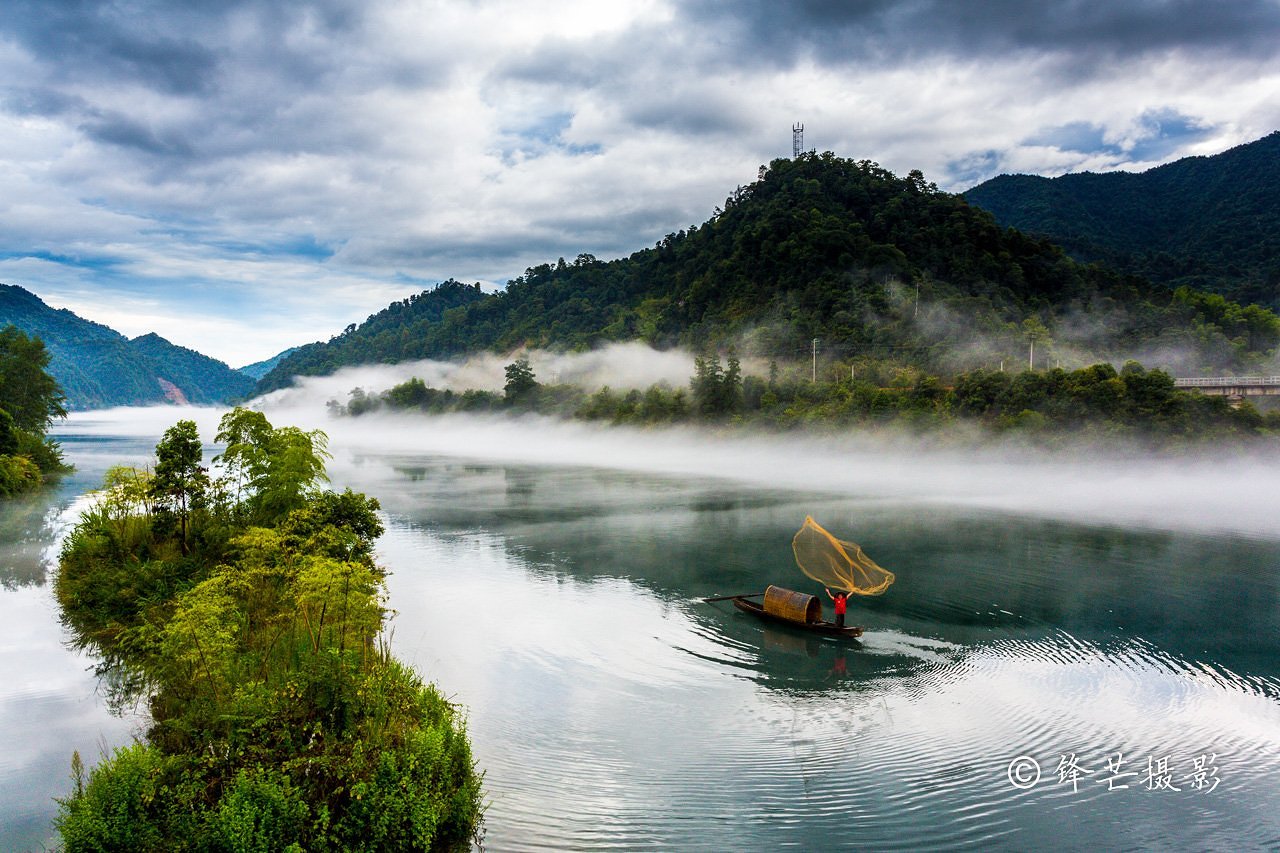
(796, 609)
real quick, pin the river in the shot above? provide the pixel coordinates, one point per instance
(1079, 679)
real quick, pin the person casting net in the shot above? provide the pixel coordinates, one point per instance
(837, 564)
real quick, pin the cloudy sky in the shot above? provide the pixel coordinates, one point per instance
(246, 175)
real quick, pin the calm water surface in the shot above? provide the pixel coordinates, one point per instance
(610, 708)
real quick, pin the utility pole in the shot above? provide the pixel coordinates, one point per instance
(916, 312)
(815, 359)
(1031, 359)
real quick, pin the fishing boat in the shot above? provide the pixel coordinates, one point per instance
(797, 609)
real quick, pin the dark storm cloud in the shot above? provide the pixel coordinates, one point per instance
(838, 32)
(176, 47)
(150, 44)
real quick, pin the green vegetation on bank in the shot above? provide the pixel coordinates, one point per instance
(248, 610)
(1092, 402)
(1209, 222)
(30, 400)
(874, 265)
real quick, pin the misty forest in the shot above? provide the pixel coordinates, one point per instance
(923, 309)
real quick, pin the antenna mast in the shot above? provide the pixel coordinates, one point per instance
(797, 140)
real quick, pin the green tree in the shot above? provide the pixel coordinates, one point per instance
(708, 377)
(1034, 332)
(8, 434)
(272, 471)
(521, 385)
(180, 484)
(27, 391)
(716, 391)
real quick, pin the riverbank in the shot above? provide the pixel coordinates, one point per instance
(1044, 409)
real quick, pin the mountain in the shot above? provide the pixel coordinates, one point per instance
(1209, 222)
(98, 367)
(259, 369)
(199, 378)
(818, 247)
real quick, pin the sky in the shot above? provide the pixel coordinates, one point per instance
(242, 176)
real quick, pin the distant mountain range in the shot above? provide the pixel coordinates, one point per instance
(1209, 222)
(98, 367)
(260, 369)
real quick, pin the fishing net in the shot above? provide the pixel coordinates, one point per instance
(836, 564)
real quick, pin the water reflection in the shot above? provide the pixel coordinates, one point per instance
(50, 702)
(612, 708)
(26, 529)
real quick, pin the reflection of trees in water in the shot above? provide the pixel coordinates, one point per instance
(26, 534)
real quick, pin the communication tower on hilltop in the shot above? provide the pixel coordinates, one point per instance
(797, 140)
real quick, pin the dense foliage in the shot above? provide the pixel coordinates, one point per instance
(248, 608)
(97, 367)
(1209, 222)
(819, 247)
(30, 400)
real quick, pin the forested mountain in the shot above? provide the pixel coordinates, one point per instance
(819, 247)
(1209, 222)
(259, 369)
(199, 378)
(97, 366)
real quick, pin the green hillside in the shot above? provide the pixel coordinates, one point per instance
(98, 367)
(874, 265)
(200, 378)
(259, 369)
(1209, 222)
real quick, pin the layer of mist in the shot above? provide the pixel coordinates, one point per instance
(620, 366)
(1231, 493)
(1077, 339)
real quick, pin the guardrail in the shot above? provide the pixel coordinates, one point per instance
(1226, 381)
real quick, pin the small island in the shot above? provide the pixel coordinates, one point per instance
(247, 610)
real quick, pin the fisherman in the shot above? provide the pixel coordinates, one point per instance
(841, 598)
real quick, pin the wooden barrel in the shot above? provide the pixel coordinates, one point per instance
(792, 605)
